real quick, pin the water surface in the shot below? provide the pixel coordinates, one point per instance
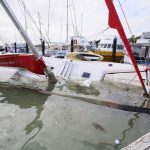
(33, 121)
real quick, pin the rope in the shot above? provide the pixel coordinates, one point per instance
(30, 16)
(72, 19)
(4, 38)
(99, 33)
(48, 16)
(75, 17)
(125, 18)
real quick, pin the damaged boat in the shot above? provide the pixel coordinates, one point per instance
(34, 71)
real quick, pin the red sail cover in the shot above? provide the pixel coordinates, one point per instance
(27, 61)
(115, 23)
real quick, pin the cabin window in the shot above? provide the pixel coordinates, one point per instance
(109, 46)
(101, 45)
(105, 45)
(119, 47)
(86, 75)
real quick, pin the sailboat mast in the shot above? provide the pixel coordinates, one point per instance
(67, 29)
(48, 17)
(81, 22)
(25, 17)
(40, 26)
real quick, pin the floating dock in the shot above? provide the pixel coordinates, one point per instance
(143, 143)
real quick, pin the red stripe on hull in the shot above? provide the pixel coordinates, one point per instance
(27, 61)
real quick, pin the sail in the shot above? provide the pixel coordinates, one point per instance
(114, 22)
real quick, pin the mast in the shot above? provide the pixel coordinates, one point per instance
(25, 17)
(48, 18)
(40, 26)
(39, 59)
(81, 22)
(67, 29)
(19, 27)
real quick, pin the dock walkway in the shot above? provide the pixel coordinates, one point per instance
(143, 143)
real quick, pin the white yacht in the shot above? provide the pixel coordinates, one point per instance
(80, 43)
(141, 49)
(106, 44)
(105, 47)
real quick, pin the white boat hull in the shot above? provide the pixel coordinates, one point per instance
(94, 71)
(80, 72)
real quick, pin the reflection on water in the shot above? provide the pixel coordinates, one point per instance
(101, 146)
(109, 146)
(35, 146)
(26, 99)
(34, 121)
(131, 124)
(23, 98)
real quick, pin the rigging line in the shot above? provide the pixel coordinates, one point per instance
(40, 26)
(23, 11)
(67, 28)
(100, 32)
(33, 31)
(31, 24)
(98, 36)
(75, 17)
(4, 38)
(48, 15)
(125, 18)
(29, 14)
(48, 42)
(60, 31)
(20, 7)
(94, 34)
(72, 18)
(52, 12)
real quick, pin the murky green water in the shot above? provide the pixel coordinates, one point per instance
(33, 121)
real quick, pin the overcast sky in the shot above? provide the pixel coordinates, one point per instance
(94, 16)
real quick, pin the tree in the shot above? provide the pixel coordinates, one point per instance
(133, 39)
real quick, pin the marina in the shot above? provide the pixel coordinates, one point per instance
(77, 94)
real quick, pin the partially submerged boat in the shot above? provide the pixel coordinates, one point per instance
(83, 73)
(37, 68)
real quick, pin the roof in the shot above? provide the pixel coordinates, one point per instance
(146, 35)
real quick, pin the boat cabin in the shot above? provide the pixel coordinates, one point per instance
(141, 49)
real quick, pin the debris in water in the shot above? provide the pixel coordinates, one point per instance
(98, 126)
(117, 142)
